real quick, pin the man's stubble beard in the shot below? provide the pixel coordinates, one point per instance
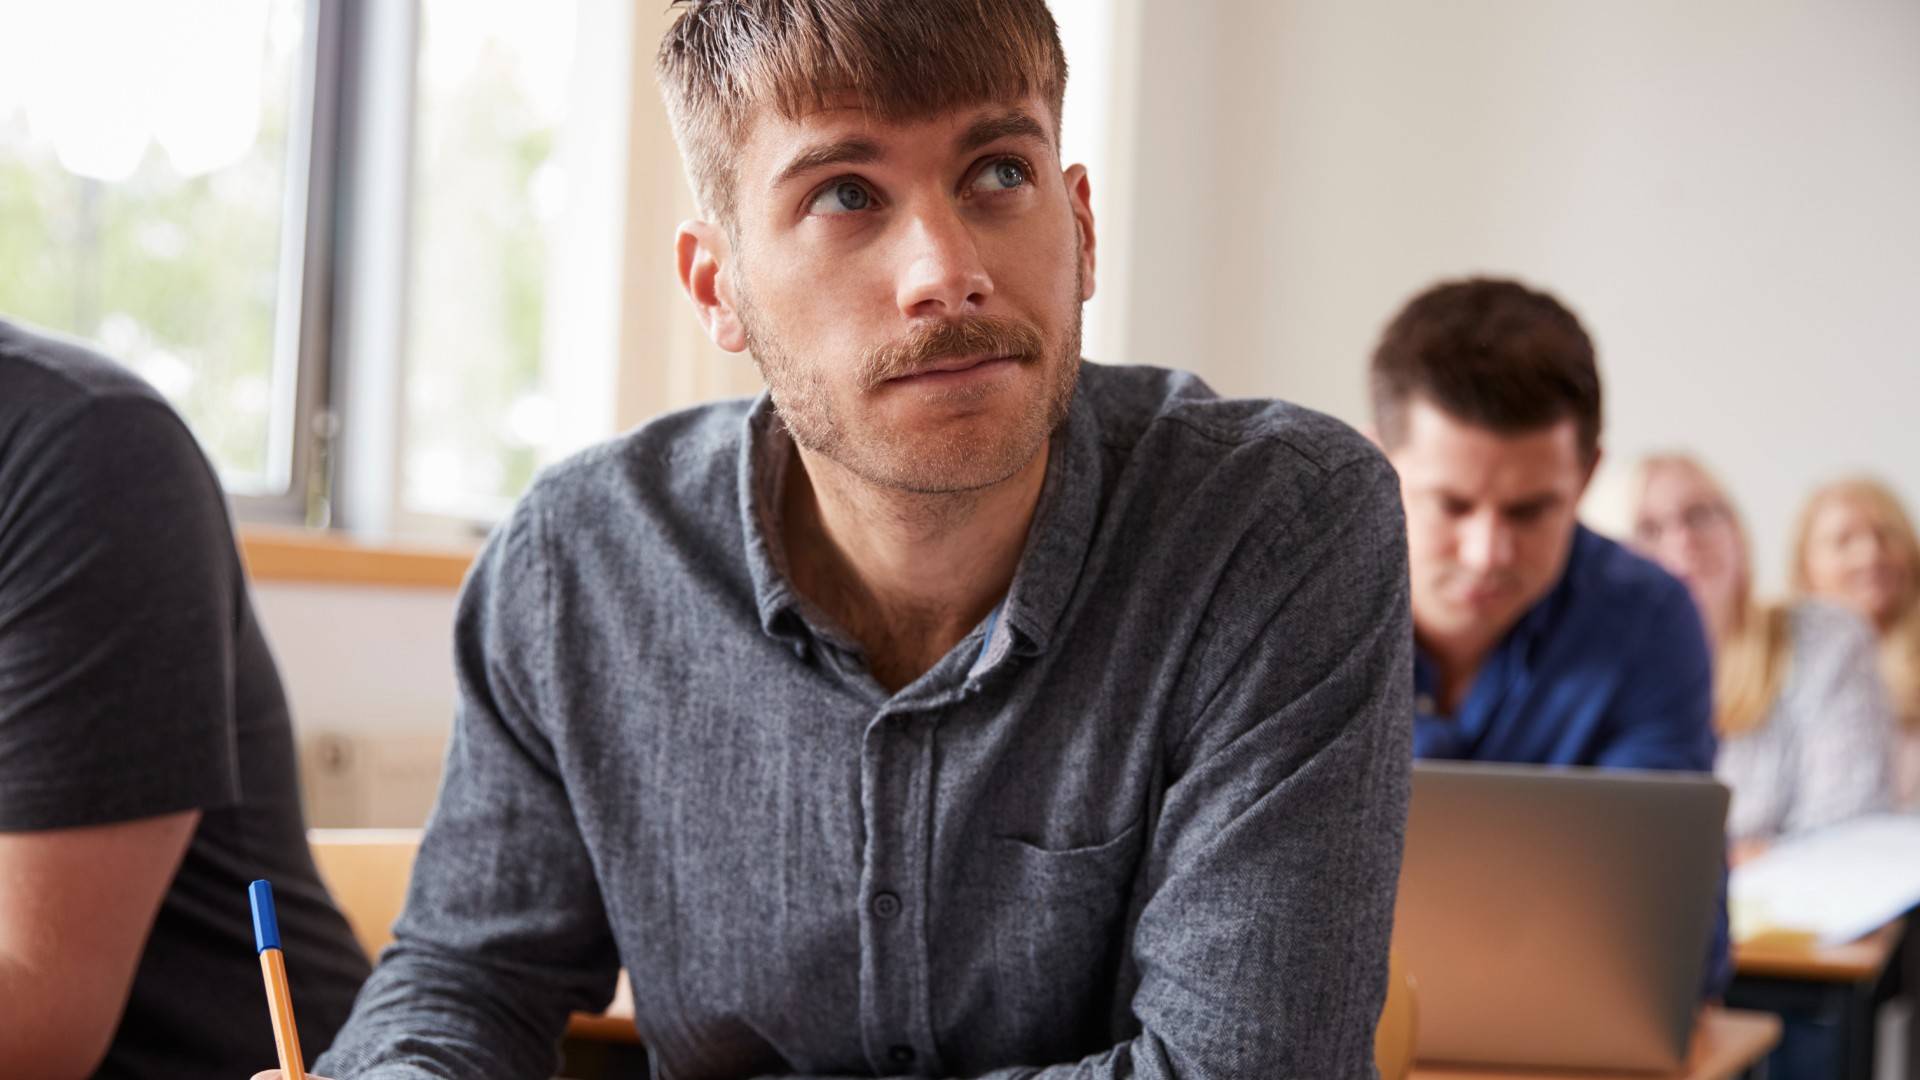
(922, 463)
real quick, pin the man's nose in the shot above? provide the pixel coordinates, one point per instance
(1486, 543)
(942, 274)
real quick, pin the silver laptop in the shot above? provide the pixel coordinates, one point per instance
(1559, 917)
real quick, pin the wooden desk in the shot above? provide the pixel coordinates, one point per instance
(615, 1025)
(1826, 997)
(1726, 1044)
(1852, 962)
(603, 1028)
(604, 1044)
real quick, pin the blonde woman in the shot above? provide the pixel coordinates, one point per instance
(1856, 546)
(1803, 717)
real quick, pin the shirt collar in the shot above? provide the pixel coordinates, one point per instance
(1551, 608)
(766, 453)
(1062, 530)
(1043, 580)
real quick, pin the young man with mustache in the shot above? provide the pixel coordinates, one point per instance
(952, 710)
(1537, 640)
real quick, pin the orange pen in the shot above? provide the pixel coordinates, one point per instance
(266, 937)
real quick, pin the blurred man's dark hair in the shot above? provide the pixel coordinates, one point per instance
(1491, 353)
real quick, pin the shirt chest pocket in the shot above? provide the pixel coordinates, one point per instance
(1079, 876)
(1056, 919)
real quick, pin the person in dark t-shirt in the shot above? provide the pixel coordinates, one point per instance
(146, 755)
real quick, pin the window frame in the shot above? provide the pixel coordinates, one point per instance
(357, 246)
(299, 427)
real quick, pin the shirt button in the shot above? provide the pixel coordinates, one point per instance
(885, 906)
(900, 1055)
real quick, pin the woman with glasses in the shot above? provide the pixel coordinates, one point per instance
(1803, 718)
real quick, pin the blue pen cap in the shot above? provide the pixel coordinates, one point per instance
(266, 925)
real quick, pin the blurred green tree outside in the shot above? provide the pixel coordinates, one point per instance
(176, 276)
(179, 274)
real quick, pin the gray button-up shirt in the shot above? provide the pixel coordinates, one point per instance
(1143, 822)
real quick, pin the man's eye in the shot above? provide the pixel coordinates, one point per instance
(845, 197)
(1003, 175)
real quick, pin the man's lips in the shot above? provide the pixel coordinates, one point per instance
(1481, 595)
(947, 367)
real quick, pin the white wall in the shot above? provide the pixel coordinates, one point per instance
(1727, 191)
(369, 678)
(362, 660)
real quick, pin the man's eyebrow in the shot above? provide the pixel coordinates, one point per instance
(1541, 501)
(854, 151)
(1010, 124)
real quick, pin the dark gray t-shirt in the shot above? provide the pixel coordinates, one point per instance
(134, 682)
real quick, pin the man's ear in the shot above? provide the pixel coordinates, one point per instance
(1371, 432)
(1080, 197)
(1592, 466)
(701, 252)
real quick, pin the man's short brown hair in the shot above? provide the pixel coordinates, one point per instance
(901, 59)
(1491, 353)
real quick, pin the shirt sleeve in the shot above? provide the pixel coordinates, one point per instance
(504, 931)
(1842, 724)
(120, 598)
(1263, 945)
(1662, 715)
(1275, 858)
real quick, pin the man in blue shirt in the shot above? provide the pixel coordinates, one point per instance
(1536, 640)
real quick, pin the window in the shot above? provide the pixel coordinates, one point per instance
(150, 189)
(365, 246)
(489, 193)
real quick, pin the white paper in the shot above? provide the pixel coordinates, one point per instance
(1838, 883)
